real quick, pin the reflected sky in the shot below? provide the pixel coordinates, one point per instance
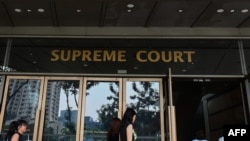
(96, 98)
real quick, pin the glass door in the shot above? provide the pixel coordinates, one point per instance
(146, 97)
(60, 109)
(22, 100)
(102, 98)
(81, 108)
(107, 98)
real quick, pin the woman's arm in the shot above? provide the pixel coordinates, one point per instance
(15, 137)
(130, 132)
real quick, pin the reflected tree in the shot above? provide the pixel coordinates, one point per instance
(145, 101)
(70, 87)
(91, 84)
(147, 97)
(109, 111)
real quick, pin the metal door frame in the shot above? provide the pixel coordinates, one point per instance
(40, 134)
(38, 110)
(85, 80)
(162, 124)
(122, 98)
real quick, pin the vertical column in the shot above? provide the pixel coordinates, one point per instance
(5, 63)
(166, 114)
(205, 112)
(245, 73)
(2, 80)
(171, 112)
(242, 57)
(7, 55)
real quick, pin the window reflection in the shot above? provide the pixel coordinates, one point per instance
(1, 89)
(246, 44)
(3, 44)
(101, 106)
(61, 110)
(145, 99)
(22, 101)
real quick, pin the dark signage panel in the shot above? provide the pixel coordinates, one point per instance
(125, 56)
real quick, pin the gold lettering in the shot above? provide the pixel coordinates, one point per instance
(121, 56)
(75, 54)
(86, 55)
(189, 55)
(65, 57)
(55, 55)
(109, 56)
(97, 56)
(138, 56)
(163, 56)
(178, 56)
(156, 54)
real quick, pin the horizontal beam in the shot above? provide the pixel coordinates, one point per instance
(125, 32)
(123, 75)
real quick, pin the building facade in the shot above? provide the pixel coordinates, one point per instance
(209, 86)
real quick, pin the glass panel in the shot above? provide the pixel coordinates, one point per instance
(204, 106)
(102, 102)
(3, 44)
(213, 57)
(144, 97)
(61, 110)
(246, 44)
(1, 90)
(22, 102)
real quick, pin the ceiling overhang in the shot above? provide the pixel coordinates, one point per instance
(125, 19)
(125, 32)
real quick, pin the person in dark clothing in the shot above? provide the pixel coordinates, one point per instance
(113, 132)
(127, 132)
(16, 130)
(12, 130)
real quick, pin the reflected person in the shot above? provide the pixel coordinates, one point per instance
(127, 132)
(113, 132)
(16, 130)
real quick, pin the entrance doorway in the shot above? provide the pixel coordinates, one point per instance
(81, 108)
(107, 98)
(204, 106)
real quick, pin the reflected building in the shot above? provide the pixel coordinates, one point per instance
(90, 124)
(23, 99)
(52, 100)
(88, 119)
(52, 105)
(64, 114)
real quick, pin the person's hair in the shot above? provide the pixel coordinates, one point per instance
(21, 122)
(128, 116)
(114, 128)
(12, 129)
